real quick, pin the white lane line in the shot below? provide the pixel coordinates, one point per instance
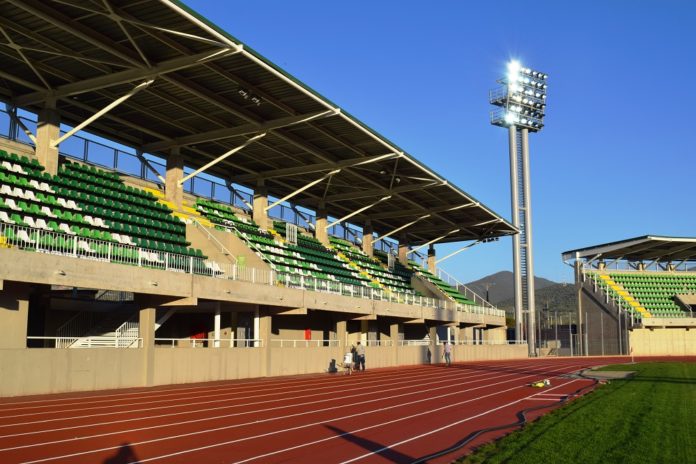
(338, 388)
(431, 432)
(225, 416)
(379, 381)
(229, 389)
(217, 429)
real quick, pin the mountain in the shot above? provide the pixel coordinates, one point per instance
(501, 286)
(557, 297)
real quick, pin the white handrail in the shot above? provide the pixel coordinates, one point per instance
(210, 236)
(210, 342)
(47, 242)
(300, 343)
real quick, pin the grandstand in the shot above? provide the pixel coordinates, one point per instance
(182, 210)
(636, 296)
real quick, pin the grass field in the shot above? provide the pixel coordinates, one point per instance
(650, 418)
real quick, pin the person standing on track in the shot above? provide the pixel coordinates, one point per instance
(447, 354)
(360, 362)
(348, 363)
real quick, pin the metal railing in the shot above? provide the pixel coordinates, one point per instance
(50, 242)
(469, 293)
(414, 342)
(72, 246)
(489, 342)
(90, 342)
(209, 342)
(213, 239)
(379, 342)
(290, 343)
(73, 328)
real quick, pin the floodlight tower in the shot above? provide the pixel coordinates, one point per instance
(521, 106)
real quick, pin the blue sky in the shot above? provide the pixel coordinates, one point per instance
(616, 158)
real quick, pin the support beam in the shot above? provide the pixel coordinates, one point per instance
(403, 250)
(14, 315)
(431, 259)
(435, 240)
(122, 77)
(11, 111)
(432, 335)
(178, 302)
(316, 167)
(102, 112)
(321, 232)
(367, 240)
(229, 132)
(148, 165)
(414, 212)
(48, 129)
(302, 189)
(291, 311)
(464, 248)
(365, 317)
(173, 187)
(223, 156)
(358, 211)
(341, 333)
(216, 326)
(399, 229)
(355, 195)
(259, 211)
(147, 319)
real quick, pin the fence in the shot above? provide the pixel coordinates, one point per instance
(50, 242)
(289, 343)
(108, 341)
(210, 342)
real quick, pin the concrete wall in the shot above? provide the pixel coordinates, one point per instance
(45, 370)
(40, 371)
(188, 365)
(663, 342)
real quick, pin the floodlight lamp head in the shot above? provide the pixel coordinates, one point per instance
(514, 67)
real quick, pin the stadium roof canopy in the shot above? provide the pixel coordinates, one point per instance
(646, 248)
(182, 83)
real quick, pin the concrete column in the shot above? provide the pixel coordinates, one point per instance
(321, 233)
(47, 129)
(466, 334)
(14, 314)
(257, 327)
(341, 332)
(403, 250)
(146, 328)
(363, 332)
(432, 333)
(431, 259)
(260, 215)
(367, 240)
(394, 330)
(264, 332)
(174, 192)
(216, 327)
(234, 324)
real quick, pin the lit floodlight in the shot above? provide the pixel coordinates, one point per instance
(521, 106)
(514, 66)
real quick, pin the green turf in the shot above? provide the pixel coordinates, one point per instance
(650, 418)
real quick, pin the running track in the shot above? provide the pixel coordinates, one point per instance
(384, 415)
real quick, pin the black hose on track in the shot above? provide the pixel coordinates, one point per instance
(521, 421)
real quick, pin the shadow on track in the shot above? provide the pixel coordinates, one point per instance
(124, 455)
(369, 445)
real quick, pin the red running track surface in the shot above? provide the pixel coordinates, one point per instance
(384, 415)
